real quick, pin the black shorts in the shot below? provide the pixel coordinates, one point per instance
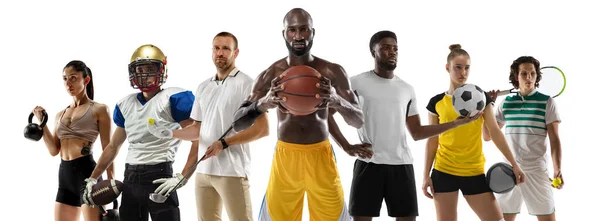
(468, 185)
(372, 183)
(71, 176)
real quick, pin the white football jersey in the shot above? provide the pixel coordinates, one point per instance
(169, 107)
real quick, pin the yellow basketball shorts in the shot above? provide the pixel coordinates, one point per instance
(300, 168)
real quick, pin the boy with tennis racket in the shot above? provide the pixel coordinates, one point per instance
(530, 116)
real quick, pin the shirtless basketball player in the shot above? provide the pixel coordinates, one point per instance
(303, 141)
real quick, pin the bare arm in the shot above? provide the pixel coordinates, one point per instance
(191, 160)
(499, 116)
(431, 147)
(193, 155)
(50, 139)
(335, 132)
(496, 134)
(110, 152)
(189, 132)
(262, 97)
(419, 132)
(555, 146)
(347, 103)
(258, 130)
(486, 132)
(105, 124)
(261, 88)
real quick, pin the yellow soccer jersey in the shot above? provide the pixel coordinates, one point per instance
(460, 149)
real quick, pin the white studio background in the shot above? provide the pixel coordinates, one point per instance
(39, 38)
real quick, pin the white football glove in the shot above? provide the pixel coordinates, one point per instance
(158, 131)
(168, 184)
(87, 191)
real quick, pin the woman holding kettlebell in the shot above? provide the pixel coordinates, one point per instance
(76, 129)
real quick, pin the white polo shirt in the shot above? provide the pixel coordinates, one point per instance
(215, 106)
(386, 103)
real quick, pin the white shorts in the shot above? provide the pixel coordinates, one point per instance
(536, 192)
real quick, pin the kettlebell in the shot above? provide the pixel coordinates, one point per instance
(34, 131)
(111, 214)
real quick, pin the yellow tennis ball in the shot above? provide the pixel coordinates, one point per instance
(151, 121)
(556, 182)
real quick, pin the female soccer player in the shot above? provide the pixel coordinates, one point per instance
(459, 160)
(76, 129)
(530, 117)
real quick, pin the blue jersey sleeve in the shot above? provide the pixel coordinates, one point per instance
(181, 105)
(118, 117)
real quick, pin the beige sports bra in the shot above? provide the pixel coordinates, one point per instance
(85, 127)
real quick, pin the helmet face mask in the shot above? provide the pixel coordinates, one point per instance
(147, 75)
(147, 68)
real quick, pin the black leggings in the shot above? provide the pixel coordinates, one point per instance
(71, 176)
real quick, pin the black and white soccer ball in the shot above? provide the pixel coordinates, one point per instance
(468, 98)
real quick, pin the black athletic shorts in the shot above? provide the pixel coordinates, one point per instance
(372, 183)
(471, 185)
(71, 176)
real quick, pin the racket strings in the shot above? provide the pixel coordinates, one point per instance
(552, 82)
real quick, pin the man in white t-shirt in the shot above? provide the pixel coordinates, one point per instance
(389, 105)
(222, 178)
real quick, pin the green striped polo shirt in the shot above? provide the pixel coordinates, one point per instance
(525, 119)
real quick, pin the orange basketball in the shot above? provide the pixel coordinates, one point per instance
(300, 90)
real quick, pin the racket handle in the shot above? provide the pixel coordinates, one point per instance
(504, 92)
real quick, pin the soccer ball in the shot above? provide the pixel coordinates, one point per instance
(468, 98)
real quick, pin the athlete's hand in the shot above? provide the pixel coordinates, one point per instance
(467, 119)
(214, 149)
(271, 100)
(328, 94)
(558, 175)
(158, 131)
(362, 150)
(87, 191)
(38, 112)
(169, 184)
(493, 94)
(427, 183)
(519, 174)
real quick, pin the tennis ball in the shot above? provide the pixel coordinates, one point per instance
(151, 121)
(556, 182)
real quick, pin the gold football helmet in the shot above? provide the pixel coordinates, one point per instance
(147, 68)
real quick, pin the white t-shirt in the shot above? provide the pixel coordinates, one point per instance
(526, 119)
(386, 103)
(168, 107)
(215, 106)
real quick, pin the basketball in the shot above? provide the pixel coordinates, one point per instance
(300, 90)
